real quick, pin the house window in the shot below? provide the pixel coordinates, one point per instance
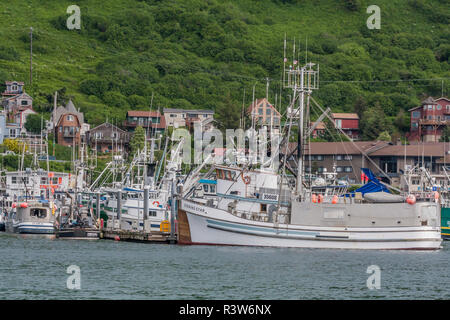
(319, 158)
(416, 114)
(338, 123)
(13, 180)
(348, 157)
(261, 111)
(69, 118)
(439, 107)
(339, 169)
(268, 112)
(14, 87)
(348, 169)
(339, 157)
(24, 102)
(320, 169)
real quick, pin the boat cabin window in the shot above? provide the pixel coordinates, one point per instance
(152, 213)
(212, 188)
(205, 187)
(38, 213)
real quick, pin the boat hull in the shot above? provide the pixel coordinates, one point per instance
(30, 228)
(198, 224)
(78, 233)
(445, 223)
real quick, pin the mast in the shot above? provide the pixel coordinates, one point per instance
(302, 80)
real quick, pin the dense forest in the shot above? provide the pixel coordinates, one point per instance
(205, 53)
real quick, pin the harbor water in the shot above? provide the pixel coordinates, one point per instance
(36, 268)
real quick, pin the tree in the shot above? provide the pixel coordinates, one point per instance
(33, 123)
(373, 123)
(445, 135)
(384, 136)
(14, 145)
(228, 113)
(360, 106)
(138, 140)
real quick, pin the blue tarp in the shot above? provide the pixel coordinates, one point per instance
(373, 185)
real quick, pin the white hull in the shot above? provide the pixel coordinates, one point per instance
(32, 228)
(218, 227)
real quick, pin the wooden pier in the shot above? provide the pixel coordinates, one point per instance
(137, 236)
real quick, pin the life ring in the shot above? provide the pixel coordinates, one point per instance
(246, 179)
(157, 203)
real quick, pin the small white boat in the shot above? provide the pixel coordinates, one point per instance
(34, 217)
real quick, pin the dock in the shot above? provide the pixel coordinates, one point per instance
(138, 236)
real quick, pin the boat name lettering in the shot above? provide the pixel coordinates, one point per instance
(193, 207)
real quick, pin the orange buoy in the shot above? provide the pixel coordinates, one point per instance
(411, 199)
(436, 196)
(320, 198)
(313, 198)
(335, 199)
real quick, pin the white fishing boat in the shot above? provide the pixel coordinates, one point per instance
(33, 217)
(254, 208)
(132, 195)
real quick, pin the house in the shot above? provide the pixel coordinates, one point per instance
(347, 122)
(319, 130)
(20, 117)
(175, 117)
(187, 118)
(68, 125)
(3, 131)
(149, 120)
(263, 113)
(347, 158)
(429, 119)
(108, 138)
(15, 100)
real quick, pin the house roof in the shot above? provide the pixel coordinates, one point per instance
(108, 125)
(201, 111)
(258, 102)
(68, 109)
(435, 149)
(138, 113)
(18, 82)
(320, 125)
(346, 147)
(20, 95)
(428, 100)
(344, 116)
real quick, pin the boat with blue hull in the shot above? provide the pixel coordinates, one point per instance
(33, 217)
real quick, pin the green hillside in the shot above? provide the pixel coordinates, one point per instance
(203, 54)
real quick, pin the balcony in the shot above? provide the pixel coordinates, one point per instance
(434, 122)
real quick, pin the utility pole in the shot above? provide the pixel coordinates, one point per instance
(31, 57)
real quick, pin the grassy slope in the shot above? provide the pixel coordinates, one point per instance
(65, 58)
